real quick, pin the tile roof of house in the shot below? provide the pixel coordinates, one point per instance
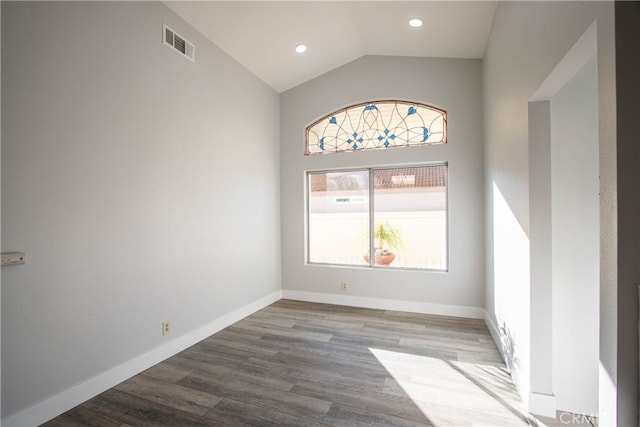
(410, 177)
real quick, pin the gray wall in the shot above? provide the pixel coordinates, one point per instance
(627, 16)
(0, 222)
(527, 40)
(141, 186)
(451, 84)
(575, 242)
(132, 212)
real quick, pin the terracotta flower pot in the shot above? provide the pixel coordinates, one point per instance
(382, 259)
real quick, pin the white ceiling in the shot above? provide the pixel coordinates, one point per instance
(262, 35)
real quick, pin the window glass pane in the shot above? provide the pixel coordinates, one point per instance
(377, 125)
(339, 217)
(410, 217)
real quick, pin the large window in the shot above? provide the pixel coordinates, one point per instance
(379, 217)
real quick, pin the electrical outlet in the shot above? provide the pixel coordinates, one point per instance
(166, 328)
(345, 286)
(13, 258)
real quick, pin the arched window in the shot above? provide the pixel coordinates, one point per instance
(378, 124)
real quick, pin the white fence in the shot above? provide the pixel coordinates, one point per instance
(341, 238)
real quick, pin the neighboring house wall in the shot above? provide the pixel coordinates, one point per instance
(142, 187)
(451, 84)
(419, 215)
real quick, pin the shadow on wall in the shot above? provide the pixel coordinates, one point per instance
(507, 344)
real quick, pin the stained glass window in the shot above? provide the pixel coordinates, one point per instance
(379, 124)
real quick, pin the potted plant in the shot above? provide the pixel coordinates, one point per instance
(387, 238)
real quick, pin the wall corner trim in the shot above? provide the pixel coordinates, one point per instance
(386, 304)
(70, 398)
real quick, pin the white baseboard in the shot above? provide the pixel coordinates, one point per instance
(386, 304)
(62, 402)
(577, 406)
(542, 404)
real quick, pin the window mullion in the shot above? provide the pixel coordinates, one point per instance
(372, 241)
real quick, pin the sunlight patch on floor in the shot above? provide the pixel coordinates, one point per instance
(452, 392)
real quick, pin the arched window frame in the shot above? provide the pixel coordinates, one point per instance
(377, 125)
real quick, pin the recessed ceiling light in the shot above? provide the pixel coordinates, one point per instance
(415, 22)
(301, 48)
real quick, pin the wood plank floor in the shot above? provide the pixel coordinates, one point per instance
(304, 364)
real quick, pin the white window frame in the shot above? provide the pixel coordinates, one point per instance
(371, 189)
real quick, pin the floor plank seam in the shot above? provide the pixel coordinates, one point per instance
(298, 363)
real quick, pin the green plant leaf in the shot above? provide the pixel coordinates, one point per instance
(387, 236)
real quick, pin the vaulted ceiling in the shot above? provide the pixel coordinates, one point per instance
(262, 35)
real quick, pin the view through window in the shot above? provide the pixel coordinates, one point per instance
(382, 217)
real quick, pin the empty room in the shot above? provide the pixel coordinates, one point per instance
(319, 213)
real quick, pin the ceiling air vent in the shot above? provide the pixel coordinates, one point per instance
(178, 43)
